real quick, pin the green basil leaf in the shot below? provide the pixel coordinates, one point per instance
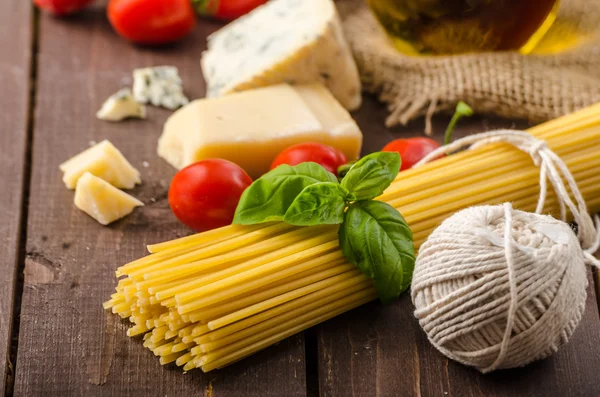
(269, 197)
(376, 239)
(318, 204)
(343, 169)
(372, 174)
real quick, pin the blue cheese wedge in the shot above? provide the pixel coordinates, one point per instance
(121, 106)
(283, 41)
(102, 201)
(160, 86)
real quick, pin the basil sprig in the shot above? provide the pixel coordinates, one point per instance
(373, 235)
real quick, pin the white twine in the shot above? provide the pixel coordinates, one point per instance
(508, 252)
(552, 168)
(459, 281)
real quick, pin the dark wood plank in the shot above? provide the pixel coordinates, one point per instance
(380, 350)
(15, 60)
(68, 345)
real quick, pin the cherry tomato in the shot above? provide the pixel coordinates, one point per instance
(412, 150)
(152, 21)
(62, 7)
(205, 194)
(226, 9)
(329, 157)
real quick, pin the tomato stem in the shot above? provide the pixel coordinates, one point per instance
(206, 7)
(462, 110)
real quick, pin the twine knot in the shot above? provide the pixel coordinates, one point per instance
(535, 150)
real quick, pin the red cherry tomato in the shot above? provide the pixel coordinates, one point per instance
(226, 9)
(62, 7)
(329, 157)
(412, 150)
(205, 194)
(152, 21)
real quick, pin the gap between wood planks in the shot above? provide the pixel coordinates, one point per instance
(19, 282)
(596, 277)
(311, 361)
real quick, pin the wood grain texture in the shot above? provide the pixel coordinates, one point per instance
(380, 350)
(68, 345)
(15, 60)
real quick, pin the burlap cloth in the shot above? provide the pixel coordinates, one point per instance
(537, 87)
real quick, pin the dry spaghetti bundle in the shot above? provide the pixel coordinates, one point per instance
(210, 299)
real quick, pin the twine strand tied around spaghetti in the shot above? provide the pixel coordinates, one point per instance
(552, 169)
(493, 302)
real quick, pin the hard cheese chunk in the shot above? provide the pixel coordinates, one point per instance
(250, 128)
(121, 106)
(283, 41)
(103, 160)
(102, 201)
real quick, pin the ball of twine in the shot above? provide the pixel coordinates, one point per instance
(490, 307)
(498, 288)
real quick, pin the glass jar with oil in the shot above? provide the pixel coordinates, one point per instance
(459, 26)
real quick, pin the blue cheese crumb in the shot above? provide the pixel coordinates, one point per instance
(160, 86)
(120, 106)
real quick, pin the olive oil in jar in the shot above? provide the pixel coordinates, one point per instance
(459, 26)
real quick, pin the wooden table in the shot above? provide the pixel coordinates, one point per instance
(58, 264)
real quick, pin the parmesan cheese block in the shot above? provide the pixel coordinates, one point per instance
(283, 41)
(102, 201)
(250, 128)
(103, 160)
